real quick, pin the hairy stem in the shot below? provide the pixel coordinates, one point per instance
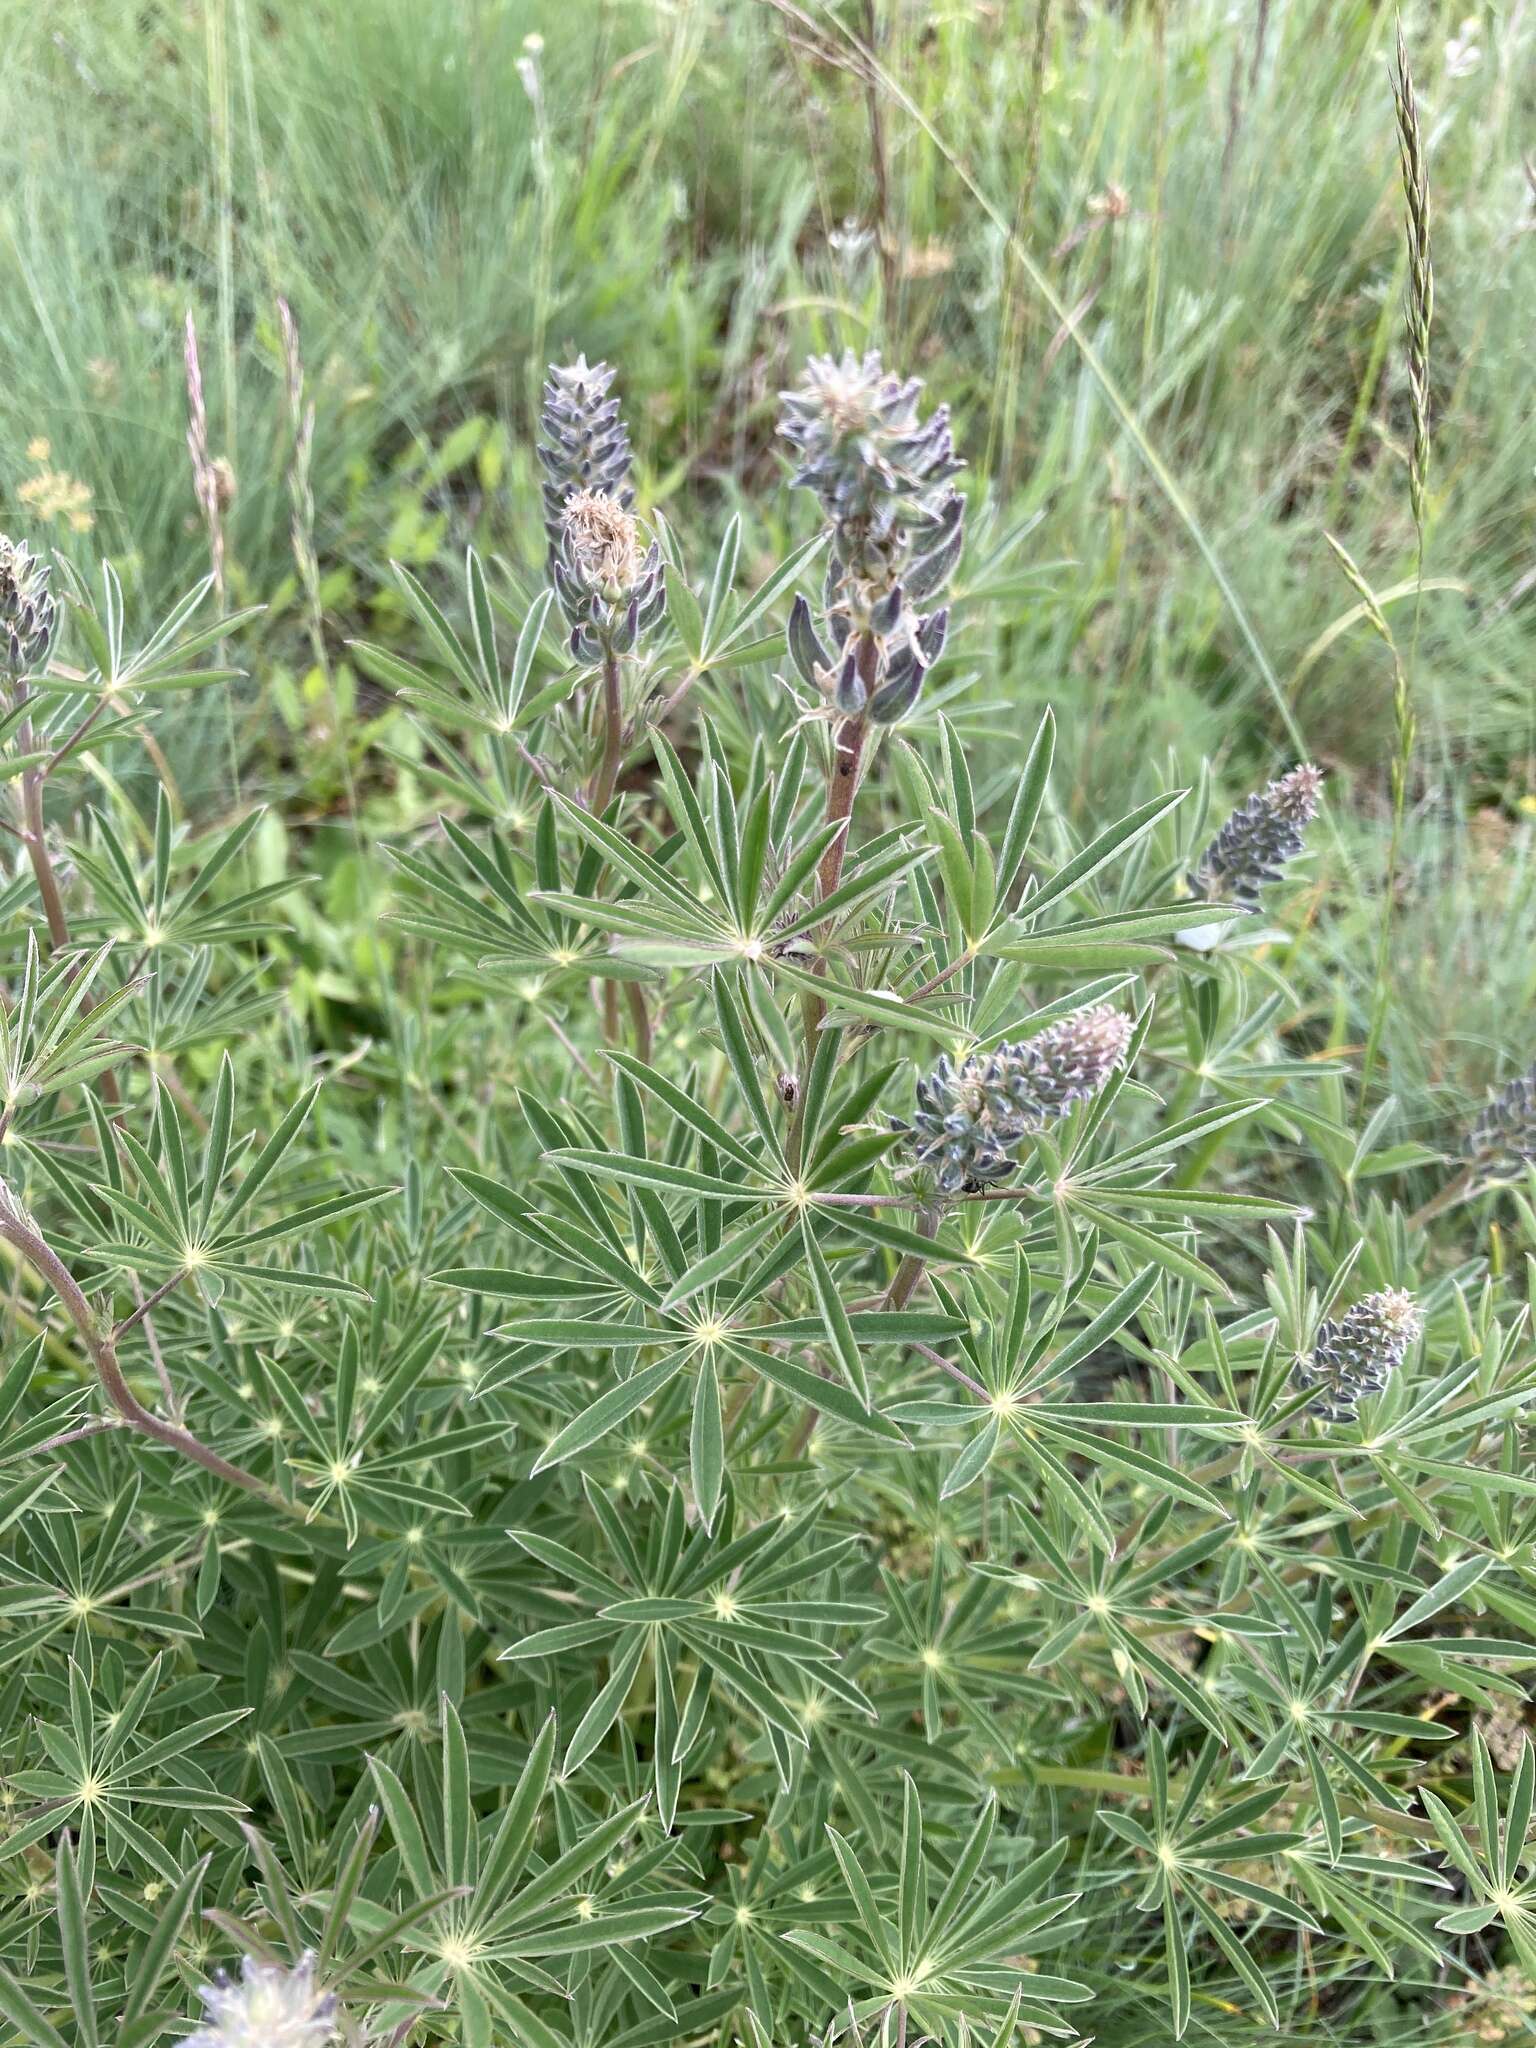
(35, 837)
(640, 1019)
(910, 1271)
(37, 852)
(18, 1230)
(1459, 1189)
(842, 786)
(605, 780)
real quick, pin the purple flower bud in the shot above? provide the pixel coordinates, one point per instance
(1355, 1356)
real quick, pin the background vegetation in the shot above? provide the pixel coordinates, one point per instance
(1213, 195)
(1153, 255)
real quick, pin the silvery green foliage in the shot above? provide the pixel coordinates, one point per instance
(881, 473)
(1501, 1143)
(576, 1528)
(1253, 847)
(1354, 1356)
(268, 2007)
(974, 1115)
(27, 614)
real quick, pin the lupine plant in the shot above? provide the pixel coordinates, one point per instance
(826, 1429)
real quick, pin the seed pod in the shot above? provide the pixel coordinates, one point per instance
(933, 569)
(931, 635)
(849, 693)
(901, 689)
(885, 613)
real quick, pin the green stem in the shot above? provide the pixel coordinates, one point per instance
(912, 1266)
(640, 1019)
(607, 776)
(1458, 1189)
(842, 787)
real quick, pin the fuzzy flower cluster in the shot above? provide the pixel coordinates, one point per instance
(585, 445)
(270, 2007)
(1355, 1356)
(1252, 848)
(1501, 1143)
(974, 1115)
(27, 615)
(881, 474)
(866, 452)
(611, 590)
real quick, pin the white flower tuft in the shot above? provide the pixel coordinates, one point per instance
(270, 2007)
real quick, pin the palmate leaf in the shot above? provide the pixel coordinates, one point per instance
(169, 658)
(705, 1319)
(935, 1958)
(1017, 1362)
(482, 900)
(1311, 1704)
(702, 1345)
(741, 1602)
(495, 1914)
(97, 1776)
(55, 1035)
(186, 1222)
(492, 699)
(1113, 841)
(1187, 1858)
(1497, 1866)
(147, 905)
(665, 931)
(720, 634)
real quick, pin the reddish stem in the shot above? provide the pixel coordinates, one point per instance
(18, 1230)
